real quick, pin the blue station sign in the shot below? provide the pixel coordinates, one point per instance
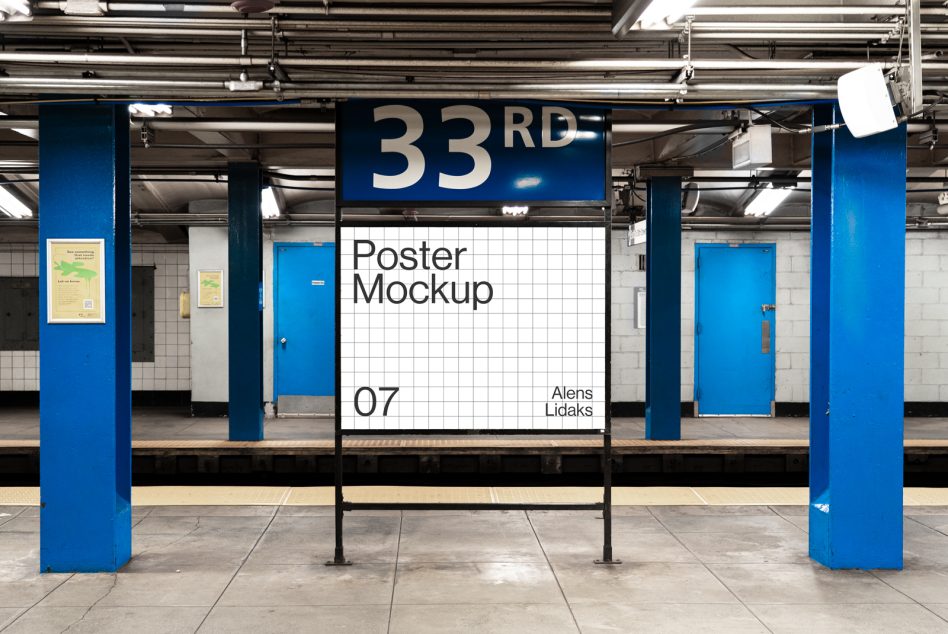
(431, 152)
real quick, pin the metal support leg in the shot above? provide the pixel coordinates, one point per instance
(86, 368)
(857, 326)
(663, 308)
(607, 435)
(245, 316)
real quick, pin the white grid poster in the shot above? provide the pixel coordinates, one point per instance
(487, 328)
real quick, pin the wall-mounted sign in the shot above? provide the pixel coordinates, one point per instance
(637, 233)
(211, 289)
(75, 274)
(472, 328)
(430, 152)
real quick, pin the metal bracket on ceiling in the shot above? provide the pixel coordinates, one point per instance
(930, 136)
(687, 72)
(147, 134)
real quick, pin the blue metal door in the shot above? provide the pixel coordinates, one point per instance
(304, 342)
(735, 291)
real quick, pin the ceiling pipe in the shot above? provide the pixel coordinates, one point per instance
(334, 10)
(469, 11)
(253, 125)
(605, 65)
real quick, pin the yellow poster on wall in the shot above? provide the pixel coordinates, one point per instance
(75, 270)
(210, 289)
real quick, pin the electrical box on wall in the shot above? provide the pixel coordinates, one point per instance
(752, 148)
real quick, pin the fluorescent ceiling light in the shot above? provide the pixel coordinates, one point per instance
(659, 14)
(766, 201)
(628, 15)
(32, 133)
(269, 208)
(12, 206)
(15, 9)
(514, 210)
(150, 110)
(865, 102)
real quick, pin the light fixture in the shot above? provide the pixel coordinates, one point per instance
(150, 110)
(15, 10)
(12, 206)
(865, 101)
(690, 196)
(766, 201)
(269, 207)
(646, 14)
(514, 210)
(942, 208)
(33, 133)
(253, 6)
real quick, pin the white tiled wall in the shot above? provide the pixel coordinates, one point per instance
(926, 315)
(19, 370)
(171, 370)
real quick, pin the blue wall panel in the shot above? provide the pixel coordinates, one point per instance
(85, 369)
(857, 330)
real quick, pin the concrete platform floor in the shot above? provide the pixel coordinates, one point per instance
(19, 423)
(686, 569)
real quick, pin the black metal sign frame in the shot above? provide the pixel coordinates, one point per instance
(342, 505)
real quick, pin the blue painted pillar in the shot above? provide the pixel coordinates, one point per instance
(86, 368)
(857, 324)
(663, 309)
(245, 315)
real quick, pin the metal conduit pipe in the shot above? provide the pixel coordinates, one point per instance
(797, 10)
(471, 94)
(561, 65)
(421, 29)
(252, 125)
(467, 11)
(496, 39)
(262, 26)
(327, 10)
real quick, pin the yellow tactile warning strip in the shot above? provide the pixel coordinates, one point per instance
(19, 496)
(749, 496)
(545, 495)
(655, 496)
(918, 496)
(475, 495)
(311, 496)
(209, 496)
(324, 496)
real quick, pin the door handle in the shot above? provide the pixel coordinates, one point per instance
(765, 337)
(765, 307)
(283, 340)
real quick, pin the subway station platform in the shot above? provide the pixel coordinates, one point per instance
(169, 442)
(255, 564)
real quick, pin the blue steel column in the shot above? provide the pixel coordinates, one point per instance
(857, 324)
(663, 309)
(86, 369)
(245, 327)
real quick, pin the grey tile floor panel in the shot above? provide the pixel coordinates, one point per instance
(156, 423)
(686, 569)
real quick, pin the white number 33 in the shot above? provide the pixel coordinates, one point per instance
(414, 127)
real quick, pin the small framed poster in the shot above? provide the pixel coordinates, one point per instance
(75, 270)
(211, 289)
